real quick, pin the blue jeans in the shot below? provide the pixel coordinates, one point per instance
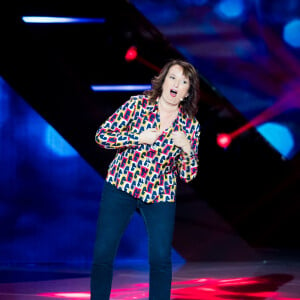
(116, 210)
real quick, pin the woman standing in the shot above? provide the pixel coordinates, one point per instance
(156, 136)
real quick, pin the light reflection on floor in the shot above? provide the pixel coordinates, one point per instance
(202, 281)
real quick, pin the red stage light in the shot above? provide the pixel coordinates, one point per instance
(131, 54)
(223, 140)
(259, 287)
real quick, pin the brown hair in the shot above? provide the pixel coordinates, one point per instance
(189, 105)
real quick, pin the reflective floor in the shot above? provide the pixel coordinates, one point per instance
(268, 279)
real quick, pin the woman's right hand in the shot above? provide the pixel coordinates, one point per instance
(148, 136)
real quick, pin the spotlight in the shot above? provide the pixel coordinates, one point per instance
(230, 8)
(131, 54)
(224, 140)
(291, 33)
(120, 87)
(45, 19)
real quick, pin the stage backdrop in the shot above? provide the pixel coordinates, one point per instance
(49, 195)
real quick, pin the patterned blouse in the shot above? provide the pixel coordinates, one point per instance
(147, 172)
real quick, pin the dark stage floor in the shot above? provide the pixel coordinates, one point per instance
(267, 279)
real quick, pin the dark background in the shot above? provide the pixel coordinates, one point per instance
(243, 205)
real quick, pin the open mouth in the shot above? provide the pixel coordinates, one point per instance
(173, 93)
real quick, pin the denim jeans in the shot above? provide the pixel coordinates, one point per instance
(116, 210)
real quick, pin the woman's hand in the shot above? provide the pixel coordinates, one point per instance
(149, 136)
(180, 140)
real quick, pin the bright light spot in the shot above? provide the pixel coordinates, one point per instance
(131, 53)
(36, 19)
(231, 280)
(58, 144)
(230, 8)
(223, 140)
(191, 289)
(120, 88)
(279, 136)
(249, 282)
(66, 295)
(291, 33)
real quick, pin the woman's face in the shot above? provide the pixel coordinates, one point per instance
(175, 86)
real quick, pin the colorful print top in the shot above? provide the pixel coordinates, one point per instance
(147, 172)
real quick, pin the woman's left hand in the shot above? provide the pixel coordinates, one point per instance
(180, 140)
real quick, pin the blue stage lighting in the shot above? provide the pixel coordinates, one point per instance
(4, 111)
(41, 19)
(230, 8)
(58, 144)
(279, 136)
(291, 33)
(120, 88)
(189, 3)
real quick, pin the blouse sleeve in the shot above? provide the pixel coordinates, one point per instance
(188, 162)
(114, 132)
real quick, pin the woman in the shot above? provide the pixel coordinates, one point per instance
(156, 136)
